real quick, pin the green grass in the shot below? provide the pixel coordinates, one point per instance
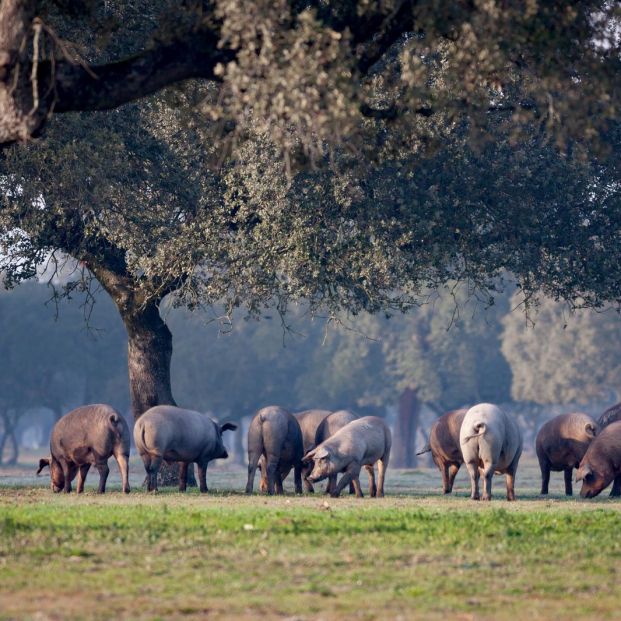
(412, 555)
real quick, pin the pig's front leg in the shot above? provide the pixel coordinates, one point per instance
(351, 474)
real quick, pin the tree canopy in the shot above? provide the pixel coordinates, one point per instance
(311, 72)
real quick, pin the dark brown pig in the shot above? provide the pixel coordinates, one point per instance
(363, 442)
(328, 427)
(275, 434)
(601, 464)
(86, 436)
(309, 421)
(168, 433)
(561, 444)
(611, 415)
(444, 446)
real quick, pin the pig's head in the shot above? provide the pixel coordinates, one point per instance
(221, 452)
(594, 478)
(320, 460)
(57, 478)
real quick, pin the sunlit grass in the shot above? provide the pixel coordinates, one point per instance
(411, 555)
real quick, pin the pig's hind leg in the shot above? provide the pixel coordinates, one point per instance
(202, 477)
(104, 470)
(453, 469)
(473, 471)
(183, 475)
(82, 472)
(372, 485)
(568, 484)
(297, 478)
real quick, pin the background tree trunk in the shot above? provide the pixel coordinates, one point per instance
(404, 437)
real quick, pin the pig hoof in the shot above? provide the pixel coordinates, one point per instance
(475, 497)
(486, 498)
(126, 490)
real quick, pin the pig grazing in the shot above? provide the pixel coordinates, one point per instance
(490, 441)
(561, 444)
(168, 433)
(361, 442)
(275, 434)
(601, 463)
(309, 420)
(445, 448)
(86, 436)
(611, 415)
(328, 427)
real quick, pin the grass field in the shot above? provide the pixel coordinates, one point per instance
(411, 555)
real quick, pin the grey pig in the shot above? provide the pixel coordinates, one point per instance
(328, 427)
(309, 420)
(86, 436)
(445, 448)
(360, 443)
(168, 433)
(601, 463)
(561, 444)
(275, 434)
(490, 441)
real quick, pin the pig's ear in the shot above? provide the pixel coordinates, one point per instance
(310, 456)
(583, 472)
(228, 427)
(321, 453)
(591, 429)
(43, 463)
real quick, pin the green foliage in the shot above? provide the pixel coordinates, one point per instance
(565, 357)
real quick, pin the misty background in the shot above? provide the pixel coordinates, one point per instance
(453, 351)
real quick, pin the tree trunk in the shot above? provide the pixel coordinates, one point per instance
(149, 355)
(404, 438)
(15, 443)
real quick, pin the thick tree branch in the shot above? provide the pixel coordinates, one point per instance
(109, 86)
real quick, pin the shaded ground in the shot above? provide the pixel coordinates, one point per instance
(412, 555)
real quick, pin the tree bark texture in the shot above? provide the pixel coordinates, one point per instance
(149, 354)
(404, 440)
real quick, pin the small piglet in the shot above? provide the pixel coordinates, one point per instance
(361, 442)
(275, 434)
(601, 463)
(445, 448)
(86, 436)
(168, 433)
(561, 444)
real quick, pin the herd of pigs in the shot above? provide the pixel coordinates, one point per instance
(319, 444)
